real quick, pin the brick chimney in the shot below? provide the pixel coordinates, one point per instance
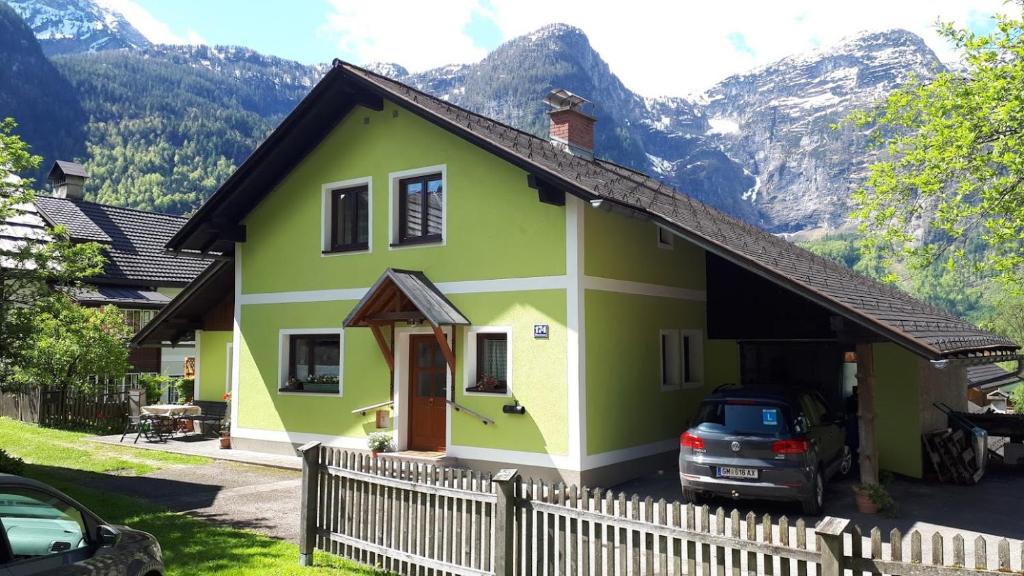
(572, 129)
(67, 180)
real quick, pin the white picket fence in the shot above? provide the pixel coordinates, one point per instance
(426, 520)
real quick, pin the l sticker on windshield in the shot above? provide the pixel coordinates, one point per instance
(770, 416)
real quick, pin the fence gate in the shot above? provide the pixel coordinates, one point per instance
(425, 520)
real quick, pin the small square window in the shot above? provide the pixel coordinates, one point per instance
(421, 209)
(489, 370)
(666, 239)
(313, 363)
(349, 219)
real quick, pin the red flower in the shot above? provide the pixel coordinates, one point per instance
(227, 396)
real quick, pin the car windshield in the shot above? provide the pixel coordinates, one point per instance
(751, 418)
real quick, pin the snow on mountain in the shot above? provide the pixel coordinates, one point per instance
(68, 26)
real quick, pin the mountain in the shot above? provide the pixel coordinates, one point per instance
(164, 125)
(761, 145)
(35, 93)
(777, 121)
(65, 26)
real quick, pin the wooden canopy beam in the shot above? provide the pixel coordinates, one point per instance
(449, 356)
(389, 357)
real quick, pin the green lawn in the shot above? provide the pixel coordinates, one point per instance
(191, 547)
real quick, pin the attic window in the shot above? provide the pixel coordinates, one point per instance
(346, 216)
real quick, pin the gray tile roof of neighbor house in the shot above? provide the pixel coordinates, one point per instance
(134, 241)
(887, 311)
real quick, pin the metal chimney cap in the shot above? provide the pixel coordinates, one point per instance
(562, 99)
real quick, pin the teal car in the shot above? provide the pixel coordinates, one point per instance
(44, 532)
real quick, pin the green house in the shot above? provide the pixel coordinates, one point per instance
(388, 261)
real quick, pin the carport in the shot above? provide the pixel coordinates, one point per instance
(886, 368)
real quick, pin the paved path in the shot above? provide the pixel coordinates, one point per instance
(199, 446)
(238, 495)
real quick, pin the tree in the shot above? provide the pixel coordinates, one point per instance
(72, 343)
(952, 161)
(38, 266)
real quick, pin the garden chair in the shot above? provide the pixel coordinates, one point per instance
(150, 425)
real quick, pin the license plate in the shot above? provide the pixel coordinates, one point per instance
(743, 473)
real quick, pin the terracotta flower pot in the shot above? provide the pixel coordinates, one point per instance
(225, 440)
(374, 453)
(864, 503)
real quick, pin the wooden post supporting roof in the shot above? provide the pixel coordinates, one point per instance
(866, 413)
(389, 357)
(449, 356)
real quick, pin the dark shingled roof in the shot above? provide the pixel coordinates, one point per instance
(134, 241)
(929, 331)
(421, 292)
(989, 377)
(123, 296)
(68, 168)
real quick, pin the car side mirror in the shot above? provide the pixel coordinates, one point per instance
(106, 536)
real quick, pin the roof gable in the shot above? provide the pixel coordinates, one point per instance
(922, 328)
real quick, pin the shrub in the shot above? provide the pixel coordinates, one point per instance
(185, 389)
(153, 384)
(379, 441)
(11, 464)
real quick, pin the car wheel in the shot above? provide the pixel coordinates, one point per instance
(813, 505)
(846, 461)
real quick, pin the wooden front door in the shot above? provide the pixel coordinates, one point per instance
(428, 375)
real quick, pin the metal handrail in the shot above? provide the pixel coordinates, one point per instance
(460, 408)
(362, 411)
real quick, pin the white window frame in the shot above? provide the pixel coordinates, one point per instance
(393, 212)
(469, 363)
(696, 338)
(325, 214)
(670, 245)
(283, 349)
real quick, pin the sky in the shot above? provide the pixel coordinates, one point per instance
(676, 48)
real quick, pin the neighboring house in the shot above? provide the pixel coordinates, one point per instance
(514, 301)
(139, 276)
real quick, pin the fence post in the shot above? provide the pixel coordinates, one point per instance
(504, 522)
(830, 533)
(307, 512)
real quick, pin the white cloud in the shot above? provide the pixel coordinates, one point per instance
(655, 46)
(154, 29)
(413, 33)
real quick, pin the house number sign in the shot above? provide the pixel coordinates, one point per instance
(540, 331)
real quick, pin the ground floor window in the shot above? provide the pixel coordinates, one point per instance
(681, 358)
(312, 362)
(488, 361)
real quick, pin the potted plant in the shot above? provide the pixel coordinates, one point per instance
(225, 428)
(379, 442)
(871, 498)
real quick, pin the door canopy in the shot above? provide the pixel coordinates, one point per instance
(406, 296)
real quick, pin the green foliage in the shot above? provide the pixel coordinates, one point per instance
(71, 343)
(185, 387)
(33, 272)
(163, 133)
(153, 384)
(1017, 399)
(952, 161)
(379, 442)
(11, 464)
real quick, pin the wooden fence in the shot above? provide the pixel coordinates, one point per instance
(426, 520)
(86, 411)
(22, 406)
